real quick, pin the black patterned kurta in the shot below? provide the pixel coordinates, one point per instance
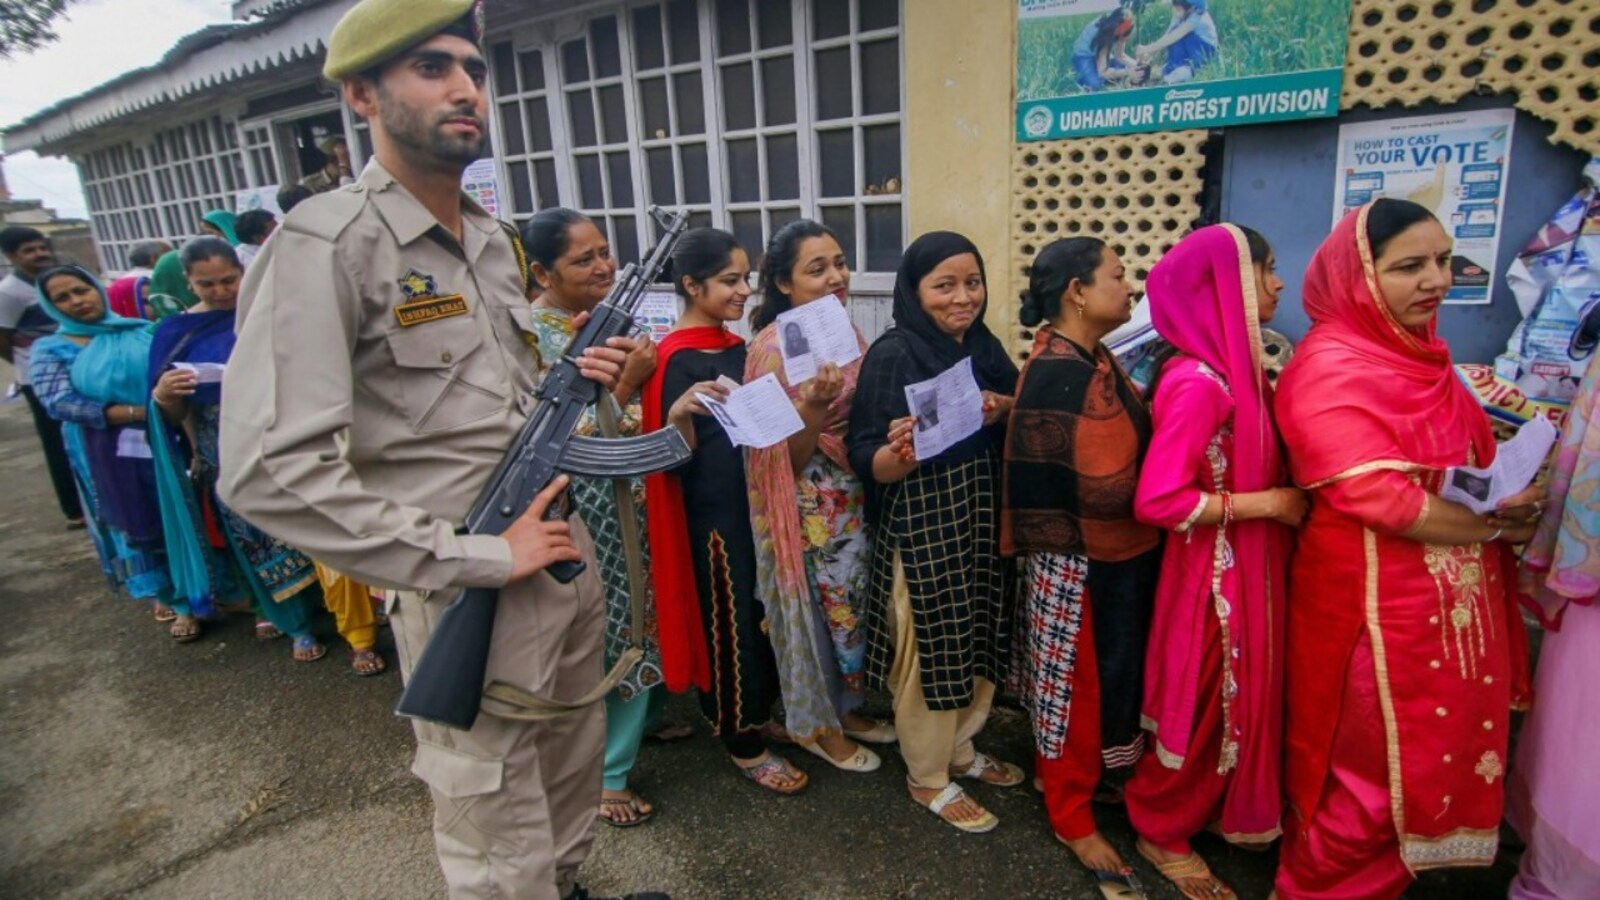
(716, 502)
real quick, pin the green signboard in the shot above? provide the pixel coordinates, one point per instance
(1092, 67)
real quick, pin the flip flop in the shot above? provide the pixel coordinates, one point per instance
(1191, 866)
(953, 793)
(639, 816)
(306, 643)
(775, 765)
(164, 613)
(984, 763)
(266, 631)
(863, 760)
(1113, 885)
(188, 635)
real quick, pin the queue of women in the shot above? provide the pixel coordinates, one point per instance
(1224, 606)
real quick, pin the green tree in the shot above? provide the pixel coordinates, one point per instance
(26, 25)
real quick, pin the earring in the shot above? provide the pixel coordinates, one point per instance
(1081, 308)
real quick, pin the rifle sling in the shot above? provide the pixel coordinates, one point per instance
(506, 701)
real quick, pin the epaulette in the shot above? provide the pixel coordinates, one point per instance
(328, 214)
(522, 255)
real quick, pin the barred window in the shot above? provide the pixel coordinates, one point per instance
(747, 113)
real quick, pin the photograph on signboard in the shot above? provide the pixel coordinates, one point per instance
(1092, 67)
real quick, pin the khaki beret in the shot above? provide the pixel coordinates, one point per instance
(375, 31)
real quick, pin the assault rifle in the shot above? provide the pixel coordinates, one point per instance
(447, 683)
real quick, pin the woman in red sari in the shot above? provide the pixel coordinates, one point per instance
(1405, 652)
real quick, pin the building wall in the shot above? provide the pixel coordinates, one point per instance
(959, 85)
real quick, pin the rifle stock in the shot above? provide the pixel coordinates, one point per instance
(446, 683)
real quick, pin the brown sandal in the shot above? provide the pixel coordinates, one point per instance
(367, 663)
(185, 629)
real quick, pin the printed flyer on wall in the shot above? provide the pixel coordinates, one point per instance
(1454, 164)
(1091, 67)
(481, 184)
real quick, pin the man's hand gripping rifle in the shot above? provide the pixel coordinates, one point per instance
(447, 683)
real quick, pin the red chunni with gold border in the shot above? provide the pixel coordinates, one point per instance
(1372, 416)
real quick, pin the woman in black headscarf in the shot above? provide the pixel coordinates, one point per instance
(939, 607)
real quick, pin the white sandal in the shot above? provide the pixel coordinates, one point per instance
(953, 793)
(863, 760)
(982, 762)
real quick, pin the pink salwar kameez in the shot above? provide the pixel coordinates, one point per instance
(1214, 669)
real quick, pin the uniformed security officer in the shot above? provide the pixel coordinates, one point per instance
(380, 375)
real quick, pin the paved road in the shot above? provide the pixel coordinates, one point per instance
(131, 766)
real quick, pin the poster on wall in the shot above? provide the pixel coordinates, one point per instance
(656, 314)
(258, 198)
(1454, 164)
(482, 185)
(1093, 67)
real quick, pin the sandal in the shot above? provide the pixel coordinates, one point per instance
(1112, 885)
(306, 649)
(163, 613)
(185, 629)
(1190, 868)
(991, 771)
(266, 631)
(880, 733)
(863, 760)
(952, 794)
(367, 663)
(618, 804)
(772, 774)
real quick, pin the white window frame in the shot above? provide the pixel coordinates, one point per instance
(548, 36)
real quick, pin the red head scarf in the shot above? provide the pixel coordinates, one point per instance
(1364, 393)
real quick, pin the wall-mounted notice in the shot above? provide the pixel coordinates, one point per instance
(1091, 67)
(1454, 164)
(481, 184)
(258, 198)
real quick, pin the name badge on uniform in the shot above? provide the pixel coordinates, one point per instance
(430, 309)
(423, 302)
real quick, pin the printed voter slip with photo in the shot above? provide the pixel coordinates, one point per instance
(205, 372)
(948, 407)
(758, 414)
(1515, 465)
(813, 334)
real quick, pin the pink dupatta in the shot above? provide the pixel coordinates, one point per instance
(1203, 301)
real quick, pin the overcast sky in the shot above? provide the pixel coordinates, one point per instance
(100, 39)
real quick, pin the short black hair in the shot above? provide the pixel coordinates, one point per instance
(290, 195)
(203, 248)
(252, 226)
(12, 239)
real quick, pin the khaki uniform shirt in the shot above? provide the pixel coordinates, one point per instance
(358, 438)
(319, 182)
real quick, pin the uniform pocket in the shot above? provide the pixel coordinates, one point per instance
(456, 774)
(445, 378)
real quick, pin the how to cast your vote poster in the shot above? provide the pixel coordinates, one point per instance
(1094, 67)
(1452, 163)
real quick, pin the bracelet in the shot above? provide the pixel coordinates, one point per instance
(1494, 537)
(1227, 508)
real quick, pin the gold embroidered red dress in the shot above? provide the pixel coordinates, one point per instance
(1403, 658)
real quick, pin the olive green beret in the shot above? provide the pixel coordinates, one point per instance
(375, 31)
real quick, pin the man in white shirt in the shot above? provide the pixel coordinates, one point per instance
(21, 323)
(252, 228)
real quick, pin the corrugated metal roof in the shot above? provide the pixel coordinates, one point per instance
(287, 32)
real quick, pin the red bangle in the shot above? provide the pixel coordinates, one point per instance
(1227, 508)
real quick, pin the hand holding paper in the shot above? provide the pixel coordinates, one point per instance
(1516, 464)
(813, 334)
(758, 414)
(948, 408)
(205, 372)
